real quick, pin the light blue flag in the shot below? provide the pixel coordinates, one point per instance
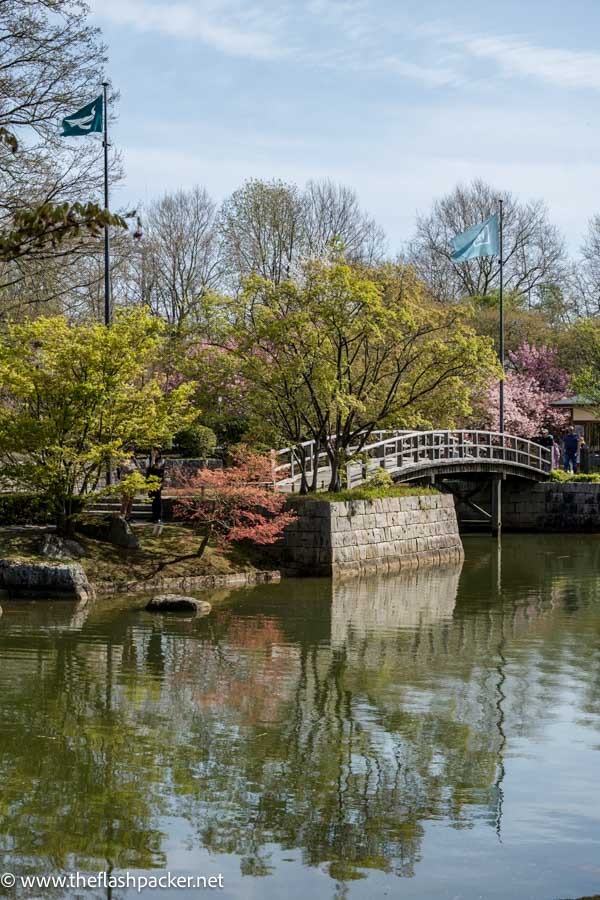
(480, 240)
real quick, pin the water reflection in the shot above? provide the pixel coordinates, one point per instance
(414, 600)
(365, 730)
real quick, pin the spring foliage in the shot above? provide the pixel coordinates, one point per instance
(75, 396)
(236, 503)
(346, 350)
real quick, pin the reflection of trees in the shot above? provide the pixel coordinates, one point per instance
(338, 719)
(76, 786)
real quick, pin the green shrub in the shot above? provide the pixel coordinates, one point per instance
(25, 509)
(381, 479)
(588, 477)
(197, 442)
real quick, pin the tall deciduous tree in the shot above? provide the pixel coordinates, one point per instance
(349, 350)
(586, 274)
(73, 397)
(333, 217)
(585, 353)
(262, 228)
(270, 228)
(534, 251)
(180, 258)
(51, 60)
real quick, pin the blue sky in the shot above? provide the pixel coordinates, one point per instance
(400, 99)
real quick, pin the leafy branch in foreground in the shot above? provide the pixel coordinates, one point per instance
(47, 226)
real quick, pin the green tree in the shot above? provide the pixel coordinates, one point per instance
(52, 60)
(348, 350)
(75, 397)
(521, 323)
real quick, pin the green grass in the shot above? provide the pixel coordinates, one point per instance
(589, 477)
(157, 555)
(364, 492)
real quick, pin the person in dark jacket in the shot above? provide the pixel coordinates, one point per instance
(156, 467)
(571, 445)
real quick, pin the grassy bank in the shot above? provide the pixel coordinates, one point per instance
(363, 492)
(159, 554)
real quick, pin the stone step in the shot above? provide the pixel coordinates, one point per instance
(144, 512)
(117, 506)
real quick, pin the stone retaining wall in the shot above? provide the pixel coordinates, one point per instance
(187, 583)
(551, 506)
(373, 535)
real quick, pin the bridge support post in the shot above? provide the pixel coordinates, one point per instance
(496, 507)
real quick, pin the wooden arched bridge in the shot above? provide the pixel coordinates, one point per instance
(417, 455)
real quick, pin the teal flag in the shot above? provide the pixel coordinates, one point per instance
(480, 240)
(86, 120)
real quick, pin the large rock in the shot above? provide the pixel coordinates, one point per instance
(178, 603)
(121, 535)
(114, 530)
(45, 580)
(55, 547)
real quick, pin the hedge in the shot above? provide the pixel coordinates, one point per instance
(27, 509)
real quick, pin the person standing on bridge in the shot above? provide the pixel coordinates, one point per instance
(571, 447)
(547, 441)
(555, 451)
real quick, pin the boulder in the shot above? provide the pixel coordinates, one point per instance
(114, 530)
(55, 547)
(121, 535)
(178, 603)
(46, 579)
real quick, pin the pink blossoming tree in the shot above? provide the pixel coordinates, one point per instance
(533, 381)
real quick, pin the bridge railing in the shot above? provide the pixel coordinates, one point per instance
(420, 449)
(291, 461)
(414, 450)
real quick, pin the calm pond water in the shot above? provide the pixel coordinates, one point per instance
(425, 736)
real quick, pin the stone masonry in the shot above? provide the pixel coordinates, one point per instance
(357, 536)
(551, 506)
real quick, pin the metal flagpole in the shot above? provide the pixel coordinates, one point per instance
(107, 297)
(106, 206)
(497, 483)
(501, 202)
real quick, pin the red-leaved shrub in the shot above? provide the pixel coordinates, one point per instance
(235, 503)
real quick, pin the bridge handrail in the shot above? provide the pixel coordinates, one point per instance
(408, 435)
(310, 443)
(292, 451)
(410, 449)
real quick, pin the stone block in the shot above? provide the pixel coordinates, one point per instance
(45, 579)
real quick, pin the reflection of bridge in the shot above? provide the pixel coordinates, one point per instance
(415, 455)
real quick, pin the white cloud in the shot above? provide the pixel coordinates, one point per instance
(237, 30)
(353, 31)
(353, 17)
(519, 57)
(430, 76)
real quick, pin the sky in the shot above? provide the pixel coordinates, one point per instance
(401, 99)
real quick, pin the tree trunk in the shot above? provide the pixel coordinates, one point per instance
(64, 517)
(335, 484)
(203, 545)
(303, 478)
(315, 476)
